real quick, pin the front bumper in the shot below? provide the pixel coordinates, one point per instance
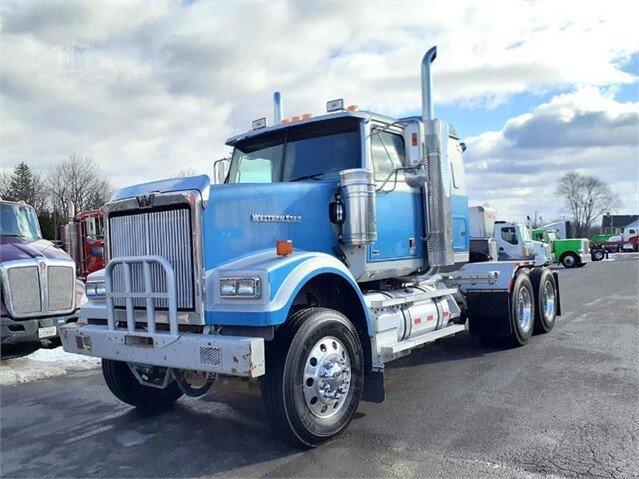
(585, 258)
(27, 330)
(227, 355)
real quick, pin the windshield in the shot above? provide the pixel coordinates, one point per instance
(551, 235)
(524, 233)
(19, 220)
(316, 151)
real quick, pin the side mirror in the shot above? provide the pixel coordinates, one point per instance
(221, 170)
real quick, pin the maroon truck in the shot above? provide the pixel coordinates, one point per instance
(40, 291)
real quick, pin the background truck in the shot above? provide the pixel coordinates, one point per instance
(39, 288)
(502, 240)
(628, 240)
(83, 239)
(335, 245)
(571, 253)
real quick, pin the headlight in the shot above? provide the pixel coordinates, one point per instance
(94, 289)
(240, 288)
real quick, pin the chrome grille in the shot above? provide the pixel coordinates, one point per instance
(61, 287)
(24, 284)
(163, 233)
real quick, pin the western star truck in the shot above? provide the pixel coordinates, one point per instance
(571, 253)
(40, 292)
(335, 245)
(503, 240)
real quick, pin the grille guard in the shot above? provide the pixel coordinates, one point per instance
(148, 295)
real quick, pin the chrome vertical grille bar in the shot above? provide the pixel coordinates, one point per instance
(165, 233)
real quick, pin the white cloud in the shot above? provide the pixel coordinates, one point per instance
(516, 169)
(149, 88)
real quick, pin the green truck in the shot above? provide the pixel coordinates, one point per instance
(571, 253)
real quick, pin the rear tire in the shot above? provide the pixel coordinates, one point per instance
(522, 306)
(315, 354)
(545, 289)
(570, 260)
(123, 384)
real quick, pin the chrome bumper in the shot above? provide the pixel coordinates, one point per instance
(228, 355)
(585, 258)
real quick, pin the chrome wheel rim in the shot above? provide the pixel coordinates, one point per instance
(524, 309)
(327, 377)
(548, 300)
(569, 261)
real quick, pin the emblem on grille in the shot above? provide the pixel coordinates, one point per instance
(146, 201)
(260, 218)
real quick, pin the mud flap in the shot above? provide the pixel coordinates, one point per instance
(374, 390)
(489, 314)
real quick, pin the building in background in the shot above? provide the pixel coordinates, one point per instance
(614, 224)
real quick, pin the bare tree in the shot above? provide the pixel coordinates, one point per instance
(80, 181)
(190, 171)
(586, 198)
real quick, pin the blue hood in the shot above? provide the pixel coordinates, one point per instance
(230, 231)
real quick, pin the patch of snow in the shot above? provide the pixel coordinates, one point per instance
(42, 364)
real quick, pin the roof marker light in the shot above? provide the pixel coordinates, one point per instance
(306, 116)
(334, 105)
(259, 124)
(352, 107)
(295, 118)
(286, 121)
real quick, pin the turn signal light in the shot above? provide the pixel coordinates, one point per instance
(284, 248)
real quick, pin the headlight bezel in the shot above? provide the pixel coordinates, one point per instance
(95, 289)
(240, 287)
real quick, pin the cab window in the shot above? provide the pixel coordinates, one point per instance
(387, 154)
(509, 234)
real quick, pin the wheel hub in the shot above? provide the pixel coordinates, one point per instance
(327, 377)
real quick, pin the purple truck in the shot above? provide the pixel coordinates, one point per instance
(40, 291)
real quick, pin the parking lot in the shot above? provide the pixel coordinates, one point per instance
(565, 405)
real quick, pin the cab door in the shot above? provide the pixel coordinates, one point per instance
(507, 241)
(399, 207)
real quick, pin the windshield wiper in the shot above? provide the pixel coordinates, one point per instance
(307, 177)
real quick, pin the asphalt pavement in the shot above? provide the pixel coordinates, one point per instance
(566, 405)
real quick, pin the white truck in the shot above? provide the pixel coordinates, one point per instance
(504, 241)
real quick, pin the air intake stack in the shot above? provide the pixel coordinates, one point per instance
(439, 236)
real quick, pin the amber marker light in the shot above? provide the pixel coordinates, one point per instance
(284, 248)
(352, 107)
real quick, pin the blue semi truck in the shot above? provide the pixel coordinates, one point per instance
(327, 247)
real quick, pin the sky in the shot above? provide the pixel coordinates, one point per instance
(149, 89)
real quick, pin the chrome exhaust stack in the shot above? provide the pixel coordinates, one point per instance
(277, 108)
(439, 236)
(428, 110)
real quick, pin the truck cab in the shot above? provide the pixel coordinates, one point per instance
(503, 240)
(570, 253)
(334, 245)
(39, 290)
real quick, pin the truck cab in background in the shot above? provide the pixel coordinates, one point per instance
(504, 241)
(83, 239)
(570, 253)
(40, 292)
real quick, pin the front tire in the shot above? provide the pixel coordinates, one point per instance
(314, 381)
(570, 260)
(545, 289)
(598, 255)
(123, 384)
